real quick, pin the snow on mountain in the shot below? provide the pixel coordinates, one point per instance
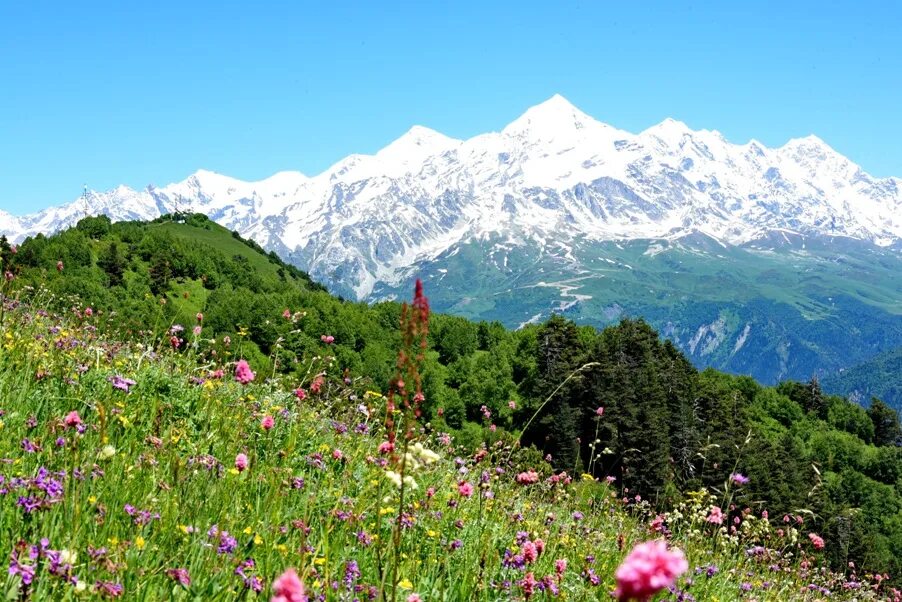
(551, 174)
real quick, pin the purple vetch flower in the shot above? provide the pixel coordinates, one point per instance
(24, 571)
(352, 573)
(108, 589)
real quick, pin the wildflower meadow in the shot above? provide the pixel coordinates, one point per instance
(169, 467)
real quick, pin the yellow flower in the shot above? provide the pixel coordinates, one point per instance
(257, 539)
(140, 542)
(247, 531)
(92, 499)
(319, 561)
(405, 584)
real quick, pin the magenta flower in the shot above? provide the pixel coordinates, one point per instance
(241, 462)
(267, 422)
(465, 489)
(288, 588)
(180, 576)
(647, 569)
(243, 372)
(72, 419)
(300, 393)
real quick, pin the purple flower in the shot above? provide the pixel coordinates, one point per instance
(739, 479)
(108, 589)
(121, 383)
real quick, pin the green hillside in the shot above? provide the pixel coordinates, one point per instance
(778, 309)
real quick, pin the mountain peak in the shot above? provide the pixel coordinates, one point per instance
(416, 144)
(670, 130)
(554, 116)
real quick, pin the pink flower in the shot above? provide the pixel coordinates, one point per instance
(300, 393)
(89, 312)
(317, 384)
(386, 447)
(414, 598)
(243, 373)
(337, 454)
(72, 419)
(267, 422)
(816, 540)
(241, 462)
(200, 317)
(647, 569)
(529, 583)
(465, 489)
(196, 330)
(599, 411)
(286, 314)
(288, 588)
(715, 517)
(328, 339)
(59, 266)
(528, 478)
(529, 552)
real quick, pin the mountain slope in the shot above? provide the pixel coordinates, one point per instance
(555, 185)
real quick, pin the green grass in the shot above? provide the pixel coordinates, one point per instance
(220, 239)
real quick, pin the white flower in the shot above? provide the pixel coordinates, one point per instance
(393, 477)
(68, 557)
(107, 452)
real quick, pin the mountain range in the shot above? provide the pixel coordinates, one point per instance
(776, 262)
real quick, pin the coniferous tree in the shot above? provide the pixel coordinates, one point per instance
(113, 263)
(887, 430)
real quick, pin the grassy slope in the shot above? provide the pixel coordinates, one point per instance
(314, 496)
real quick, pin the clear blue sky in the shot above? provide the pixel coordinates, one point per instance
(147, 92)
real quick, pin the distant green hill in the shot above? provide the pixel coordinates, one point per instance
(879, 377)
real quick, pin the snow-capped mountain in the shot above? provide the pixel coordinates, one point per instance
(551, 175)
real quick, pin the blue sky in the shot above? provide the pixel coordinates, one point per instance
(147, 93)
